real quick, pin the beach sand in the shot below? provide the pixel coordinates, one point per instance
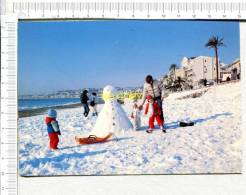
(40, 111)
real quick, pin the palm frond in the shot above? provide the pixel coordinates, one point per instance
(214, 41)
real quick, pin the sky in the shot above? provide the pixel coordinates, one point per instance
(64, 55)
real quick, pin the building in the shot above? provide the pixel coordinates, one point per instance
(198, 68)
(231, 71)
(194, 70)
(179, 72)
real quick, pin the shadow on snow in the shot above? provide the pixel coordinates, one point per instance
(57, 160)
(175, 125)
(113, 139)
(120, 139)
(36, 162)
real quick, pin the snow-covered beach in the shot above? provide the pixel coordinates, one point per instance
(212, 145)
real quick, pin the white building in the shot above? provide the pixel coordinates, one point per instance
(231, 71)
(194, 69)
(197, 68)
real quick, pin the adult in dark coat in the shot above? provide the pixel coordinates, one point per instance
(84, 101)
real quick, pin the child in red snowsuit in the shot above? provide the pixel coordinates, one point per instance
(53, 129)
(153, 110)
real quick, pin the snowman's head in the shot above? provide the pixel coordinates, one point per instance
(109, 93)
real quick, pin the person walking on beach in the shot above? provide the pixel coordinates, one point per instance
(93, 104)
(84, 101)
(52, 128)
(155, 89)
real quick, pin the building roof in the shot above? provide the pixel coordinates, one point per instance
(229, 65)
(186, 59)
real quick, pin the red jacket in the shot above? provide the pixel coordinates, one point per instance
(50, 127)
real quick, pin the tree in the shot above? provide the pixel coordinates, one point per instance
(179, 82)
(175, 85)
(214, 43)
(173, 68)
(165, 76)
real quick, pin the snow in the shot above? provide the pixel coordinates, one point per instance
(212, 145)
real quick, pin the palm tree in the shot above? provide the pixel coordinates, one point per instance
(215, 42)
(173, 68)
(179, 82)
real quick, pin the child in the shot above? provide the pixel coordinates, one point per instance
(154, 112)
(136, 117)
(93, 104)
(53, 128)
(84, 101)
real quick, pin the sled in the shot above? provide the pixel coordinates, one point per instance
(92, 139)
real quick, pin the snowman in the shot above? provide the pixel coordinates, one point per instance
(112, 118)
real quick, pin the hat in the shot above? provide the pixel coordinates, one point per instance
(52, 113)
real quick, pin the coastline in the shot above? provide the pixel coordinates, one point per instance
(43, 110)
(39, 111)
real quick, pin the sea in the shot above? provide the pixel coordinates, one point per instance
(30, 104)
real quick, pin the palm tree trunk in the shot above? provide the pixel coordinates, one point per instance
(217, 64)
(175, 74)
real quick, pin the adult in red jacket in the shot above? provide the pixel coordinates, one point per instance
(154, 111)
(155, 89)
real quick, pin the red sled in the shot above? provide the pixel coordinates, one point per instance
(92, 139)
